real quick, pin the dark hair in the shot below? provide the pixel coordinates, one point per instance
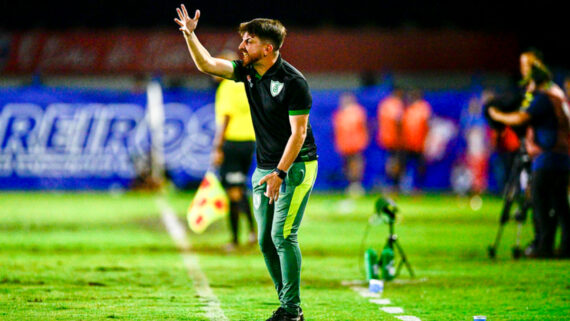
(266, 29)
(540, 74)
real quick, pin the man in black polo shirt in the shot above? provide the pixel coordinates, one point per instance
(280, 101)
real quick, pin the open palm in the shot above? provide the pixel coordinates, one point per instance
(187, 24)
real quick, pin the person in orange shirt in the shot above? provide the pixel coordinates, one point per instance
(351, 138)
(415, 128)
(389, 114)
(505, 143)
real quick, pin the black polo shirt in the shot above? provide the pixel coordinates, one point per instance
(280, 92)
(550, 125)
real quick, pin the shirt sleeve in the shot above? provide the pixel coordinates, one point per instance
(538, 106)
(238, 70)
(299, 99)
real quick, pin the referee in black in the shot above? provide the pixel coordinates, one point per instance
(280, 102)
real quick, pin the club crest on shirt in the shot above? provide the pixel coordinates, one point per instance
(276, 87)
(249, 81)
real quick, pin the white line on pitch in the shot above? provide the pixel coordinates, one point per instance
(381, 301)
(407, 318)
(392, 310)
(357, 287)
(177, 231)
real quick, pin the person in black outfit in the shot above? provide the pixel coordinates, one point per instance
(546, 112)
(287, 166)
(235, 139)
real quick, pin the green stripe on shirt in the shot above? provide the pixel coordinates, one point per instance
(299, 112)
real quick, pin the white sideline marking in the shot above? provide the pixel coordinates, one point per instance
(392, 310)
(177, 231)
(365, 292)
(381, 301)
(407, 318)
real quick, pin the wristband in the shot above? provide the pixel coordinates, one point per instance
(280, 173)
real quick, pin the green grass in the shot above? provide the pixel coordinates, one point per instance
(102, 256)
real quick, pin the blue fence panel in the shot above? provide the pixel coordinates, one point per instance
(87, 139)
(82, 139)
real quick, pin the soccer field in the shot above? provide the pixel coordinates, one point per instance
(102, 256)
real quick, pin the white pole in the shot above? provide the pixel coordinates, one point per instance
(155, 120)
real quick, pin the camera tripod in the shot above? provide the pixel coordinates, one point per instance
(515, 192)
(393, 241)
(385, 210)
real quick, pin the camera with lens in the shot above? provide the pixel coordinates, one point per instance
(386, 207)
(505, 102)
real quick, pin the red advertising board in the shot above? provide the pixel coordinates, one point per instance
(327, 50)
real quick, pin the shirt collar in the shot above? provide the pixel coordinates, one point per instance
(271, 71)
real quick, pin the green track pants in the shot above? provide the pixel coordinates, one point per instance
(278, 224)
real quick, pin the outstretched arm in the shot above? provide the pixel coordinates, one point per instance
(512, 119)
(202, 58)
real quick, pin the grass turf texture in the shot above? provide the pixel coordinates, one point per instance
(99, 257)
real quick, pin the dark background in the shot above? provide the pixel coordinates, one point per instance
(540, 24)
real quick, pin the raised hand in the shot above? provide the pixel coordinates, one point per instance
(187, 24)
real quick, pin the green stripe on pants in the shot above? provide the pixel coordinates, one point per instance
(278, 225)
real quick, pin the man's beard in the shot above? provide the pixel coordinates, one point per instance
(248, 59)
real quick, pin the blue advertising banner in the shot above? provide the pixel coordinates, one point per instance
(54, 139)
(79, 139)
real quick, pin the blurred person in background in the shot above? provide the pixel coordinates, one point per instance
(475, 133)
(505, 144)
(280, 102)
(351, 139)
(234, 145)
(504, 140)
(546, 112)
(415, 128)
(389, 116)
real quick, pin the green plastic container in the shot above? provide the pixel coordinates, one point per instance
(371, 264)
(387, 263)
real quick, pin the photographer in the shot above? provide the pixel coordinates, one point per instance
(546, 113)
(505, 141)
